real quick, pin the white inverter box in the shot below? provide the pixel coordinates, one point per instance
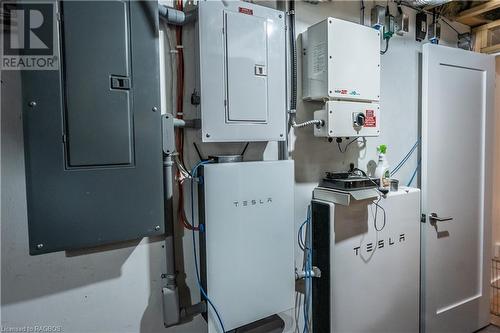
(341, 60)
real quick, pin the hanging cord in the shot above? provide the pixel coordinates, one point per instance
(308, 267)
(362, 13)
(386, 46)
(348, 144)
(194, 172)
(406, 158)
(377, 206)
(414, 174)
(382, 193)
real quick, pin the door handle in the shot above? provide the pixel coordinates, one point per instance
(435, 217)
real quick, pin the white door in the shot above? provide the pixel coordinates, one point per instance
(457, 114)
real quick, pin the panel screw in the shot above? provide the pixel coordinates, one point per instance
(207, 135)
(280, 16)
(281, 135)
(157, 228)
(39, 246)
(155, 109)
(32, 104)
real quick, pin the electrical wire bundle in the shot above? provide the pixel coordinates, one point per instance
(194, 173)
(407, 156)
(349, 143)
(182, 173)
(306, 246)
(405, 159)
(359, 172)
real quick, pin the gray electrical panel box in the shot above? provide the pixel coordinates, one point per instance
(92, 130)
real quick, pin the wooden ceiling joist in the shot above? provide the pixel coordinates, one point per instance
(474, 16)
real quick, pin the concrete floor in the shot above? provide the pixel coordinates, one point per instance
(490, 329)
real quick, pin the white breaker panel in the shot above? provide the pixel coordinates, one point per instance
(348, 119)
(240, 49)
(341, 60)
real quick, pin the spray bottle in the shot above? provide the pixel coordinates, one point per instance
(382, 171)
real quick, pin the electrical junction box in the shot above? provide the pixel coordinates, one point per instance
(347, 119)
(247, 249)
(420, 26)
(241, 71)
(377, 16)
(402, 23)
(341, 60)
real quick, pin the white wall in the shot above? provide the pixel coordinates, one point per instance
(117, 288)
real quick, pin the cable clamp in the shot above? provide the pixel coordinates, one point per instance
(315, 272)
(179, 47)
(291, 12)
(180, 113)
(174, 51)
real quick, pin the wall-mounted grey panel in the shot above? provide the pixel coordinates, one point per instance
(115, 193)
(96, 55)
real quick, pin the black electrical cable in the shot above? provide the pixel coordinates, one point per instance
(362, 13)
(386, 46)
(347, 145)
(448, 24)
(377, 206)
(357, 171)
(245, 149)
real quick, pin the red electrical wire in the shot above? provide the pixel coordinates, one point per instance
(179, 135)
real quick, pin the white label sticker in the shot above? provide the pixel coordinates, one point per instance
(319, 55)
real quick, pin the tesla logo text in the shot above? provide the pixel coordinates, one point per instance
(369, 247)
(253, 202)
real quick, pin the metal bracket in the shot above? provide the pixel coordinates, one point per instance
(168, 137)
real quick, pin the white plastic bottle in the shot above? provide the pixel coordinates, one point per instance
(382, 171)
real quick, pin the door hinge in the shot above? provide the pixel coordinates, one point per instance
(423, 218)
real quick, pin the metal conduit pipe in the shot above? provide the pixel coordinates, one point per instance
(187, 123)
(171, 310)
(175, 16)
(316, 122)
(171, 15)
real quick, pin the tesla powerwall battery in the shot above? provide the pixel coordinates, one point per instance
(241, 71)
(93, 130)
(369, 261)
(248, 243)
(341, 60)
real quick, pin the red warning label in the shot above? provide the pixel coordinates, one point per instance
(247, 11)
(370, 119)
